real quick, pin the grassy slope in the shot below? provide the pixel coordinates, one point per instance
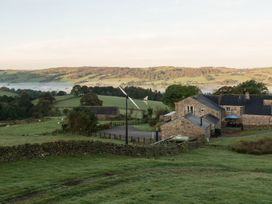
(157, 78)
(72, 101)
(249, 135)
(205, 175)
(7, 93)
(37, 132)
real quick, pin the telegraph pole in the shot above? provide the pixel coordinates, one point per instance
(126, 120)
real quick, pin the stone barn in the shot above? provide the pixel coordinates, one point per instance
(105, 112)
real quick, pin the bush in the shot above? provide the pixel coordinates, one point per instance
(152, 122)
(262, 146)
(90, 99)
(80, 120)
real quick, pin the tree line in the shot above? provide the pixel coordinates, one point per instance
(176, 92)
(134, 92)
(33, 94)
(22, 107)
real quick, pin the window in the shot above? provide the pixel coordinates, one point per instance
(227, 108)
(190, 109)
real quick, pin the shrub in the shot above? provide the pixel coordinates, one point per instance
(152, 122)
(262, 146)
(90, 99)
(80, 120)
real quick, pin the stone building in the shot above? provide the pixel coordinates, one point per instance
(194, 117)
(104, 112)
(206, 115)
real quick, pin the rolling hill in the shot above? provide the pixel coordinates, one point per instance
(207, 78)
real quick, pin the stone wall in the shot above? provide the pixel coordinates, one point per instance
(182, 126)
(199, 109)
(268, 102)
(236, 110)
(257, 120)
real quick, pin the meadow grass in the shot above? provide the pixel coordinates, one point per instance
(205, 175)
(251, 135)
(7, 93)
(210, 174)
(39, 132)
(73, 101)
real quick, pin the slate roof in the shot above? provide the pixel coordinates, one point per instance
(104, 110)
(196, 120)
(254, 105)
(212, 118)
(204, 100)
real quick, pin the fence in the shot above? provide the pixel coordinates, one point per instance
(134, 140)
(122, 123)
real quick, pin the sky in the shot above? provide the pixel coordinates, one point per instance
(38, 34)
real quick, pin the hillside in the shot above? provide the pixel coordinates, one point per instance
(208, 78)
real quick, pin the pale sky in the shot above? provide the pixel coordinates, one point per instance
(135, 33)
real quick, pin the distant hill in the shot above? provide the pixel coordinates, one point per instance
(207, 78)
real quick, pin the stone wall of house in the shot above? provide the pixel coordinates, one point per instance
(199, 109)
(236, 110)
(182, 126)
(257, 120)
(268, 102)
(168, 117)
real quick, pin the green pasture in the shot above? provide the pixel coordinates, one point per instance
(7, 93)
(39, 131)
(211, 174)
(73, 101)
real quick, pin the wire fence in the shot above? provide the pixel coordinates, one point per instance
(131, 139)
(123, 123)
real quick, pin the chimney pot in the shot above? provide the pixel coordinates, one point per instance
(247, 95)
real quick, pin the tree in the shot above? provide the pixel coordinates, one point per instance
(76, 90)
(25, 105)
(81, 120)
(48, 96)
(175, 93)
(90, 99)
(252, 87)
(43, 108)
(224, 90)
(84, 89)
(61, 93)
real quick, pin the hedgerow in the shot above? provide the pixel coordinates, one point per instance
(262, 146)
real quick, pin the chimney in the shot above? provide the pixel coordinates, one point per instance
(247, 95)
(219, 99)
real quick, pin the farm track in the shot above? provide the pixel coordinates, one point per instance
(67, 189)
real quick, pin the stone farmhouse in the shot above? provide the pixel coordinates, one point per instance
(207, 115)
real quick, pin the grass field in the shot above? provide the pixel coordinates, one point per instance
(73, 101)
(69, 101)
(211, 174)
(206, 175)
(7, 93)
(38, 132)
